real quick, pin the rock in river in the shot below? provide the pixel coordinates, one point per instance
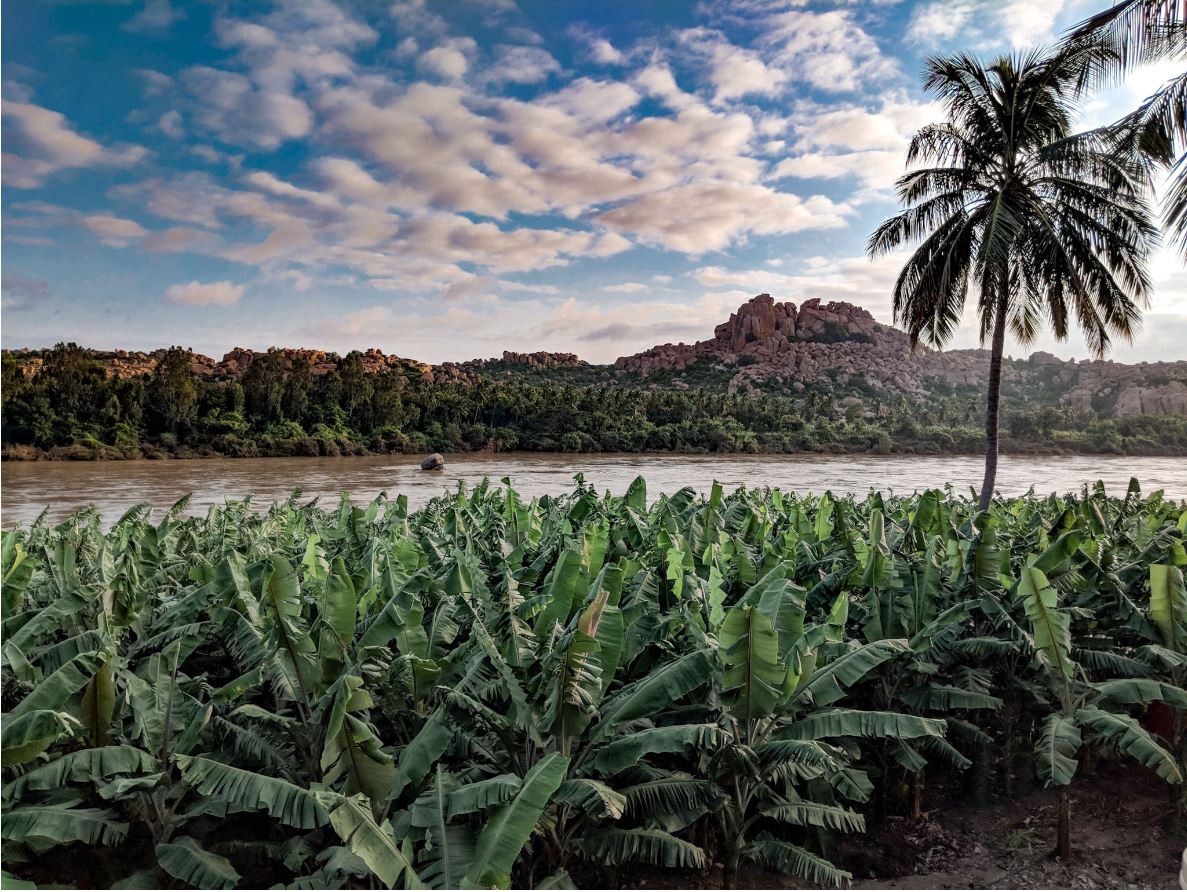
(434, 462)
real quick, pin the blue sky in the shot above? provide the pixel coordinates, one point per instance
(445, 180)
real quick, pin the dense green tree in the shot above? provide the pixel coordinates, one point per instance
(71, 380)
(264, 386)
(172, 394)
(297, 384)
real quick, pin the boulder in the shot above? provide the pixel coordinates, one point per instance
(434, 462)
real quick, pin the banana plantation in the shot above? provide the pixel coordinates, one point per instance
(493, 692)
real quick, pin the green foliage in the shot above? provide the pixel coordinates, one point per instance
(489, 691)
(69, 409)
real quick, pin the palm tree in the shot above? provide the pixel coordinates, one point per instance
(1133, 33)
(1043, 225)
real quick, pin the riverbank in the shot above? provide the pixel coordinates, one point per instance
(80, 452)
(274, 412)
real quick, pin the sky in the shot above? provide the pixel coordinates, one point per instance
(446, 180)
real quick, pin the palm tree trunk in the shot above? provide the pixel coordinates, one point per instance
(993, 398)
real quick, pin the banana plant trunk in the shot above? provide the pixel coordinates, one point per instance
(1063, 846)
(993, 399)
(729, 875)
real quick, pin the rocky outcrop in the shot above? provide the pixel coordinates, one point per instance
(766, 340)
(1149, 388)
(236, 362)
(1166, 399)
(541, 359)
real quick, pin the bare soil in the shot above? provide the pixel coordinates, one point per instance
(1123, 837)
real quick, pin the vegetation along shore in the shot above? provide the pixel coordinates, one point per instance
(773, 378)
(494, 691)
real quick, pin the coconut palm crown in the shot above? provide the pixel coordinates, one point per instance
(1045, 227)
(1133, 33)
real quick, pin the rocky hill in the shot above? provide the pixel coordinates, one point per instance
(124, 364)
(767, 342)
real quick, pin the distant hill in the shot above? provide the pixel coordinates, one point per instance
(768, 343)
(765, 346)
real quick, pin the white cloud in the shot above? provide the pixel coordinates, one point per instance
(1028, 23)
(199, 294)
(170, 124)
(300, 45)
(829, 50)
(859, 127)
(603, 51)
(939, 21)
(711, 216)
(449, 61)
(875, 168)
(414, 17)
(867, 144)
(155, 83)
(115, 232)
(597, 48)
(414, 171)
(985, 26)
(520, 65)
(423, 178)
(155, 15)
(47, 144)
(234, 110)
(733, 71)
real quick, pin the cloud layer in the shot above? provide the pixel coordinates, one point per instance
(443, 181)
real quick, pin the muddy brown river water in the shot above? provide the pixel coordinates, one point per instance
(113, 487)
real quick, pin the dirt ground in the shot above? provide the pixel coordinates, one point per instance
(1120, 838)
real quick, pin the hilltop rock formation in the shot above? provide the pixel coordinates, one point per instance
(765, 339)
(541, 359)
(768, 341)
(235, 363)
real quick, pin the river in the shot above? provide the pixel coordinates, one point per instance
(28, 487)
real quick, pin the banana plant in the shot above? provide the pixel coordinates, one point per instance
(490, 690)
(937, 677)
(1085, 713)
(566, 691)
(785, 760)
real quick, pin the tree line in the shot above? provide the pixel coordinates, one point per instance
(70, 409)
